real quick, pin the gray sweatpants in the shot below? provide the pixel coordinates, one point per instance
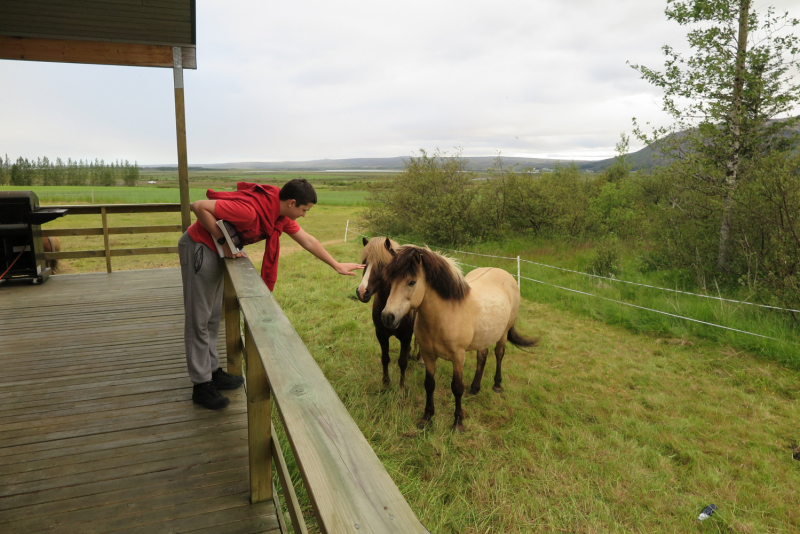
(202, 271)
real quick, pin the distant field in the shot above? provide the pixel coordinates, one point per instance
(330, 196)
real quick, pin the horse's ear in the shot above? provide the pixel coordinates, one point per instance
(388, 245)
(418, 257)
(365, 241)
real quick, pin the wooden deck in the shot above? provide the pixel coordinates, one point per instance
(97, 429)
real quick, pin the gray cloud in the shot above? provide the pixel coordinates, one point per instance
(289, 81)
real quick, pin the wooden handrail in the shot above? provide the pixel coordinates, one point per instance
(349, 488)
(103, 210)
(96, 209)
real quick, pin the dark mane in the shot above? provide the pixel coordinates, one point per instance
(441, 272)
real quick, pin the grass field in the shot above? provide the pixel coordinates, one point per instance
(600, 429)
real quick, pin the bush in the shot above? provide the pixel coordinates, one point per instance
(434, 198)
(605, 259)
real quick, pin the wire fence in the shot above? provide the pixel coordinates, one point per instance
(351, 229)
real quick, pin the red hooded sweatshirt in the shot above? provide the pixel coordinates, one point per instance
(255, 212)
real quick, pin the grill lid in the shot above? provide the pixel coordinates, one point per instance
(23, 207)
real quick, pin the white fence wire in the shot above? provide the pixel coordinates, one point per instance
(349, 230)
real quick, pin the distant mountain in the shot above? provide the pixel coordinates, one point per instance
(362, 164)
(641, 159)
(650, 157)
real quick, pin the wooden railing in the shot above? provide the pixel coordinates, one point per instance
(103, 210)
(349, 489)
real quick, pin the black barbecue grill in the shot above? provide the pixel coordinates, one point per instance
(21, 234)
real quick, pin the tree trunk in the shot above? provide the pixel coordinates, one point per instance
(732, 166)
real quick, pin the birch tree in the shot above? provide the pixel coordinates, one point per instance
(724, 96)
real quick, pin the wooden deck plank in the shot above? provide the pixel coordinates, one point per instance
(97, 429)
(92, 461)
(131, 498)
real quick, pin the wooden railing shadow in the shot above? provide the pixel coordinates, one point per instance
(349, 489)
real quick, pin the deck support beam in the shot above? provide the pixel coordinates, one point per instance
(233, 336)
(259, 424)
(180, 124)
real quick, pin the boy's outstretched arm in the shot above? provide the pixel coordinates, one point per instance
(311, 244)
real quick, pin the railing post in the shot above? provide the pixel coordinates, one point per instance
(259, 425)
(346, 228)
(105, 236)
(519, 279)
(233, 336)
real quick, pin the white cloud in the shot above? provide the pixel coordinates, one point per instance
(307, 80)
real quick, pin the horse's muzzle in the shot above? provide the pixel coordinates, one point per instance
(388, 320)
(363, 297)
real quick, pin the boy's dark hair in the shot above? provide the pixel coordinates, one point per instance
(300, 191)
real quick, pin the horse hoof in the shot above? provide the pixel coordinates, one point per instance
(458, 429)
(422, 424)
(474, 391)
(497, 389)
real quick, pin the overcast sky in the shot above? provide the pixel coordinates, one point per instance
(289, 81)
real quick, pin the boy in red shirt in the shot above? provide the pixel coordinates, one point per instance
(258, 212)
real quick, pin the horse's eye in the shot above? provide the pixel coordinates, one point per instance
(412, 282)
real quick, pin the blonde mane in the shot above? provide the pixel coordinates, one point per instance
(375, 253)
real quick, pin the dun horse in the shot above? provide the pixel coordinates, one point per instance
(454, 314)
(51, 244)
(375, 255)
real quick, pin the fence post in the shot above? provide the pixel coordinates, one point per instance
(519, 280)
(233, 336)
(259, 425)
(346, 228)
(105, 236)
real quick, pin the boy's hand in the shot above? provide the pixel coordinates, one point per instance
(348, 268)
(229, 254)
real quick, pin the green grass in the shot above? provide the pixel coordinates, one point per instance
(599, 429)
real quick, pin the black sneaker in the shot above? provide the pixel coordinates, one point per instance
(207, 396)
(224, 381)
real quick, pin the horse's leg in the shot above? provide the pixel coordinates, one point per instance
(405, 350)
(430, 385)
(476, 382)
(457, 387)
(383, 339)
(499, 352)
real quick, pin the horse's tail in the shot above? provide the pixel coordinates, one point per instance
(55, 246)
(518, 340)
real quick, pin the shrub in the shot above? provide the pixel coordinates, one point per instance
(605, 259)
(434, 197)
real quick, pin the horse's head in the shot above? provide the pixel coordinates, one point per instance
(375, 255)
(411, 273)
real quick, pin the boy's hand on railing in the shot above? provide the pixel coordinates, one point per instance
(348, 268)
(228, 254)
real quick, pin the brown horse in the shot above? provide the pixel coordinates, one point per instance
(375, 255)
(51, 244)
(454, 314)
